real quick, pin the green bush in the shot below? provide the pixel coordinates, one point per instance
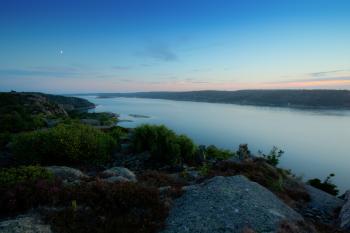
(274, 156)
(116, 132)
(163, 144)
(18, 121)
(159, 141)
(12, 176)
(64, 144)
(187, 148)
(212, 152)
(325, 185)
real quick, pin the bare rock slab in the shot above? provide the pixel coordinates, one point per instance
(120, 172)
(228, 204)
(24, 223)
(344, 216)
(322, 205)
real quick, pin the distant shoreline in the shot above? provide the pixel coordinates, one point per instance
(297, 99)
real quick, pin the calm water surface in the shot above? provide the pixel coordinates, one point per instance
(316, 143)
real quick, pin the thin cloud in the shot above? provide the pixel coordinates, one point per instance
(324, 73)
(159, 52)
(39, 71)
(121, 67)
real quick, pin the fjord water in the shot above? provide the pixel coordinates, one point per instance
(316, 142)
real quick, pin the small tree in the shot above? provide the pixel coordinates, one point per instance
(274, 156)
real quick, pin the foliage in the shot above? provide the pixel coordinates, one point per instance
(274, 156)
(326, 185)
(116, 132)
(20, 111)
(23, 112)
(204, 169)
(104, 118)
(284, 98)
(187, 148)
(105, 207)
(163, 144)
(15, 175)
(213, 152)
(19, 120)
(158, 179)
(64, 144)
(25, 187)
(27, 195)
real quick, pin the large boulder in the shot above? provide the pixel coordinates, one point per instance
(228, 204)
(67, 174)
(24, 223)
(119, 174)
(344, 216)
(322, 206)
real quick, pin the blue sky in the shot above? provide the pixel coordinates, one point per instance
(105, 46)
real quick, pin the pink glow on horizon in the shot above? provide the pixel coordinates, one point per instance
(91, 86)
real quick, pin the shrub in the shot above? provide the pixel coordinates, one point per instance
(12, 176)
(18, 121)
(274, 156)
(27, 195)
(213, 152)
(204, 169)
(25, 187)
(64, 144)
(187, 148)
(158, 179)
(163, 144)
(104, 207)
(326, 185)
(116, 133)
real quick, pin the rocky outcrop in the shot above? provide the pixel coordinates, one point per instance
(119, 174)
(31, 103)
(24, 223)
(228, 204)
(344, 215)
(243, 152)
(322, 206)
(67, 174)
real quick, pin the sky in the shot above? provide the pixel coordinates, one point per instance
(92, 46)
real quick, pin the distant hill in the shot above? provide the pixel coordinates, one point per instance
(328, 99)
(21, 111)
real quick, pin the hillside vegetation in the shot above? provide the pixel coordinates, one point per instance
(329, 99)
